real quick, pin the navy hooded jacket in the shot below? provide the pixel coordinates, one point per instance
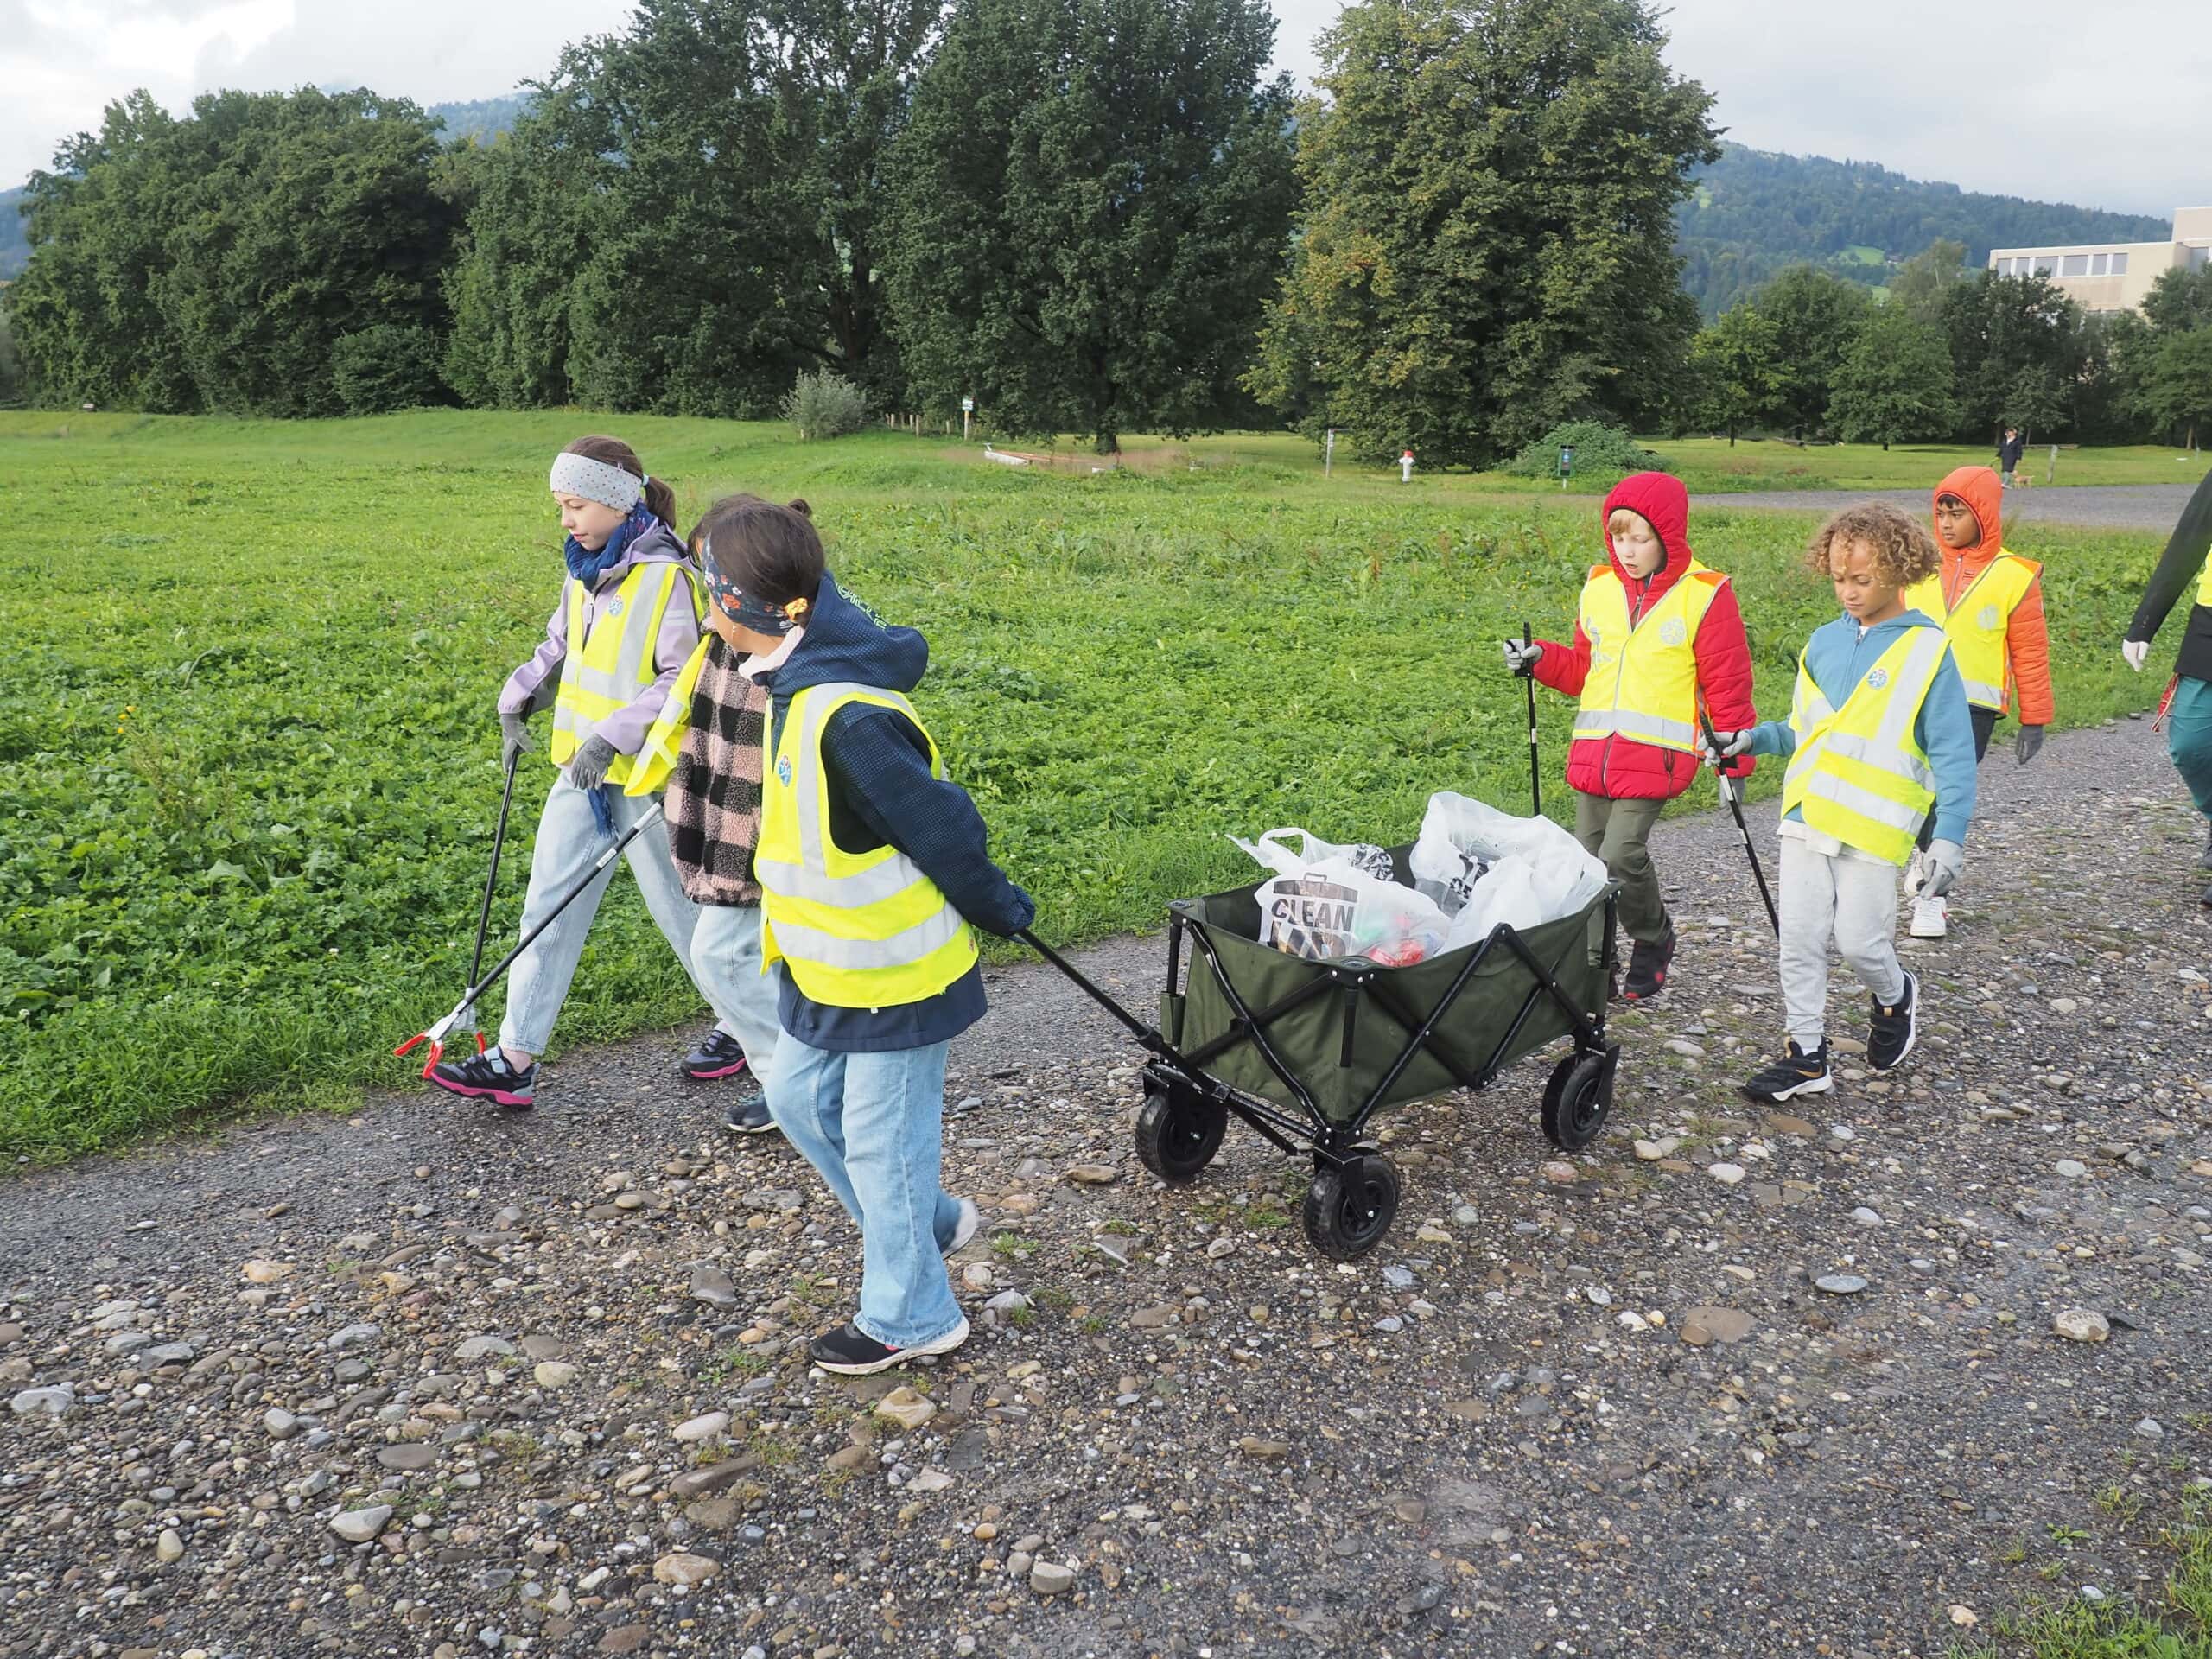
(881, 791)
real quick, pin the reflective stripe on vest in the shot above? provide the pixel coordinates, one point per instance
(610, 663)
(1979, 623)
(857, 929)
(1859, 773)
(1642, 679)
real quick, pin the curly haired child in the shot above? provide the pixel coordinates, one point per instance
(1879, 734)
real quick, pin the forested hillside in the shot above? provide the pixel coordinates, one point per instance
(1756, 213)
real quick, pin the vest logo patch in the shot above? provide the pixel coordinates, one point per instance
(1878, 678)
(1987, 621)
(614, 605)
(1673, 631)
(784, 772)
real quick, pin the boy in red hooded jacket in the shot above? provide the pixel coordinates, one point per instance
(1989, 601)
(1658, 637)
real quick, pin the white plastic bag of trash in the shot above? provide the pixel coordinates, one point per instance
(1536, 871)
(1273, 851)
(1337, 908)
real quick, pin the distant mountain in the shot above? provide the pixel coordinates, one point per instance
(1756, 213)
(483, 120)
(15, 250)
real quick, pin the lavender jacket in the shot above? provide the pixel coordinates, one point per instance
(679, 633)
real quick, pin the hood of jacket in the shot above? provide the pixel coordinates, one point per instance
(1661, 501)
(843, 642)
(1984, 494)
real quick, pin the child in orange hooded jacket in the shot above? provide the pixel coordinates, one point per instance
(1657, 638)
(1990, 603)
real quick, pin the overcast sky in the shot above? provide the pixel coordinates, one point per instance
(2104, 104)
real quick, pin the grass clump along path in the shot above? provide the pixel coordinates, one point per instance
(250, 761)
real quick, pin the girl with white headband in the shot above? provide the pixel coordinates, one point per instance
(615, 652)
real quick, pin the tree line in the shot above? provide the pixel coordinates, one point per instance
(1095, 216)
(1950, 354)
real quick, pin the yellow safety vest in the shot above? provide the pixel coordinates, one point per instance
(2204, 583)
(1859, 773)
(1642, 679)
(859, 929)
(609, 664)
(1978, 623)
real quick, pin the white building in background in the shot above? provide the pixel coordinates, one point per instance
(2114, 276)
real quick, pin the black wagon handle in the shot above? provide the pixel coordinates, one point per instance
(1149, 1036)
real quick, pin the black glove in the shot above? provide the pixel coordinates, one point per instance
(588, 767)
(514, 735)
(2028, 744)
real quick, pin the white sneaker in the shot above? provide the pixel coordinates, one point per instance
(1931, 918)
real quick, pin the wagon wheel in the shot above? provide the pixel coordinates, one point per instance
(1578, 1098)
(1178, 1130)
(1350, 1207)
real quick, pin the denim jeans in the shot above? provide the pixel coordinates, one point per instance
(873, 1124)
(725, 961)
(565, 847)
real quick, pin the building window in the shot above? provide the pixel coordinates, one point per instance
(2046, 264)
(2119, 264)
(2074, 265)
(2198, 256)
(2097, 263)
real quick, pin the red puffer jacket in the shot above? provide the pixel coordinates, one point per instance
(1620, 768)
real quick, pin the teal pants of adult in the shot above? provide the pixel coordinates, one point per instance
(871, 1125)
(2189, 738)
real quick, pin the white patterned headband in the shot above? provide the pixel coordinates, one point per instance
(597, 480)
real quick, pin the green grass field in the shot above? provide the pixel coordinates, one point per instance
(249, 758)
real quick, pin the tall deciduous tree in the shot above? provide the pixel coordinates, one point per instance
(2177, 389)
(2180, 299)
(1488, 244)
(1817, 319)
(1092, 197)
(216, 262)
(2018, 344)
(1894, 385)
(1736, 367)
(1925, 281)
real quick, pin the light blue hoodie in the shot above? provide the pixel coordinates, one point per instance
(1838, 660)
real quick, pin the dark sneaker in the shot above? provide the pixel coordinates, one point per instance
(1796, 1073)
(2204, 859)
(720, 1056)
(850, 1353)
(1895, 1029)
(968, 1225)
(749, 1116)
(1647, 968)
(488, 1076)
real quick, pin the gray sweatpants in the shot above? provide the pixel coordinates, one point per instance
(567, 845)
(1852, 901)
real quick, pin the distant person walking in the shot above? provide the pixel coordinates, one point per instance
(1405, 467)
(2188, 709)
(2008, 454)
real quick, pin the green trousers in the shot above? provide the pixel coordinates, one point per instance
(1620, 833)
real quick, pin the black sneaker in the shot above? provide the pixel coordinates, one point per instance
(719, 1056)
(1647, 967)
(849, 1352)
(749, 1116)
(488, 1076)
(1796, 1073)
(1895, 1029)
(2204, 859)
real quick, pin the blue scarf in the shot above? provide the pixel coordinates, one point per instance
(589, 567)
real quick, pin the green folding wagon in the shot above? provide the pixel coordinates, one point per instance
(1305, 1053)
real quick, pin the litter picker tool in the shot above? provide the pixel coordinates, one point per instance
(1536, 760)
(491, 878)
(435, 1036)
(1731, 792)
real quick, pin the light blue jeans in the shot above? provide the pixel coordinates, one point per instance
(873, 1125)
(725, 961)
(567, 844)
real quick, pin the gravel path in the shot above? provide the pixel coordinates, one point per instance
(2152, 507)
(421, 1381)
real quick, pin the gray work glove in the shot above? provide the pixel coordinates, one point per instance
(1732, 744)
(514, 735)
(1940, 865)
(588, 766)
(2028, 744)
(1522, 658)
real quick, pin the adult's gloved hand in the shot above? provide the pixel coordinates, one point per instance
(514, 735)
(1942, 864)
(2028, 744)
(2138, 651)
(1522, 658)
(588, 770)
(1732, 744)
